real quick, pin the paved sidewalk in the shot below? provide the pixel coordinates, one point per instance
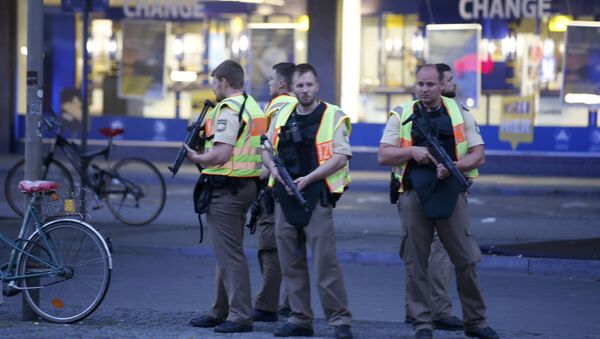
(375, 242)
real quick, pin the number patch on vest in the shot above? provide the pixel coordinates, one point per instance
(325, 150)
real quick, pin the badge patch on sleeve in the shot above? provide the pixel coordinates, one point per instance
(221, 125)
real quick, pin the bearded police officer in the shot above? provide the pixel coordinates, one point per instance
(312, 139)
(267, 299)
(424, 210)
(232, 164)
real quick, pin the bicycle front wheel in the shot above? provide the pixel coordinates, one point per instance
(55, 171)
(73, 268)
(135, 191)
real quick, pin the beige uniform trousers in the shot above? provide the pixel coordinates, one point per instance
(225, 218)
(267, 298)
(320, 236)
(464, 253)
(439, 273)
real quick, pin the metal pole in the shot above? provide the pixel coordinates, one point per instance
(84, 76)
(35, 94)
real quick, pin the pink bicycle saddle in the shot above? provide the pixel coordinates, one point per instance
(28, 186)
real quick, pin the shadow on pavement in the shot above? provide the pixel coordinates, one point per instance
(582, 249)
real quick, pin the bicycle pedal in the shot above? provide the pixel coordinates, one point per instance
(9, 291)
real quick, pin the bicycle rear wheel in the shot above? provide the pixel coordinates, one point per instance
(81, 276)
(136, 192)
(56, 172)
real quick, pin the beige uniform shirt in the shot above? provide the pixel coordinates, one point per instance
(226, 127)
(391, 132)
(341, 137)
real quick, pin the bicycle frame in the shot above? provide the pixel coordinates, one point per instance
(18, 247)
(81, 163)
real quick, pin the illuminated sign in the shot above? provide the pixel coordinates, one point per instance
(516, 120)
(173, 9)
(503, 9)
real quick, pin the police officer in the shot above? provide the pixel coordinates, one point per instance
(440, 268)
(267, 299)
(444, 209)
(232, 163)
(312, 139)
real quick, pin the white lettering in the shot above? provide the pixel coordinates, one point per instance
(517, 126)
(463, 9)
(512, 9)
(544, 8)
(496, 9)
(143, 9)
(480, 6)
(528, 8)
(171, 10)
(127, 10)
(503, 9)
(164, 9)
(198, 9)
(155, 9)
(185, 10)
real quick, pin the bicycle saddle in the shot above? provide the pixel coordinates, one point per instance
(28, 186)
(111, 132)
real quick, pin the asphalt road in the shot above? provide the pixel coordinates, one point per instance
(155, 295)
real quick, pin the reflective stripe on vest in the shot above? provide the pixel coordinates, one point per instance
(338, 181)
(405, 138)
(276, 104)
(245, 160)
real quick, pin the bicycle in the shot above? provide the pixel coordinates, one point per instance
(63, 268)
(133, 189)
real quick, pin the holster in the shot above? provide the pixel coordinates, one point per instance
(394, 189)
(267, 201)
(202, 192)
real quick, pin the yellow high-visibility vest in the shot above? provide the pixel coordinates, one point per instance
(246, 158)
(338, 181)
(405, 138)
(276, 104)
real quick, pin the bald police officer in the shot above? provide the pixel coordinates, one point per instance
(444, 210)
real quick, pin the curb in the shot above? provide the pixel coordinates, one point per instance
(572, 268)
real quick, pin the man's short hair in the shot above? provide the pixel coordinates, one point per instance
(285, 70)
(305, 68)
(442, 67)
(434, 67)
(230, 71)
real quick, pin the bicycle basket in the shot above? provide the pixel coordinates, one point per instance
(65, 204)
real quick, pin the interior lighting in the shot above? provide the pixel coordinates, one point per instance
(90, 46)
(558, 23)
(244, 43)
(582, 98)
(112, 46)
(418, 42)
(548, 48)
(23, 50)
(509, 45)
(178, 47)
(183, 76)
(303, 23)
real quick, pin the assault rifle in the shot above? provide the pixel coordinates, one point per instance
(437, 151)
(192, 139)
(283, 172)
